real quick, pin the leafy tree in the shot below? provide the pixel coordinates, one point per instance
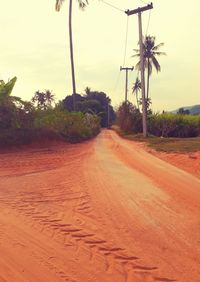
(94, 102)
(82, 5)
(68, 102)
(14, 113)
(106, 107)
(89, 106)
(151, 51)
(8, 104)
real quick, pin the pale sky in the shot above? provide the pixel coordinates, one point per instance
(35, 48)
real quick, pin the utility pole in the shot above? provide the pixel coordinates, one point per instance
(108, 113)
(144, 105)
(126, 85)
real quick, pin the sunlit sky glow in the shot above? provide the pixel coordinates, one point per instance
(35, 48)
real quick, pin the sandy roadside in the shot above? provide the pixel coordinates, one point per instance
(189, 162)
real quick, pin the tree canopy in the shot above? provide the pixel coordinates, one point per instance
(94, 102)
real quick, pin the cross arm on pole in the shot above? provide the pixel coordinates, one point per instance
(126, 85)
(131, 69)
(139, 10)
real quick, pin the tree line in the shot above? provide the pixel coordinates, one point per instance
(22, 122)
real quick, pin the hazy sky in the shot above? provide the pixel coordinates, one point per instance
(34, 47)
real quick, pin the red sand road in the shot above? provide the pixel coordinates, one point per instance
(102, 211)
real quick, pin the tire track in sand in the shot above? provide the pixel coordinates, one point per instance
(58, 203)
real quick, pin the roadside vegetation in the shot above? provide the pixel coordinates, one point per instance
(168, 145)
(23, 122)
(177, 131)
(168, 132)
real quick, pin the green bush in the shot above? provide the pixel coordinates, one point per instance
(21, 136)
(165, 125)
(22, 123)
(174, 125)
(18, 126)
(6, 117)
(73, 126)
(129, 118)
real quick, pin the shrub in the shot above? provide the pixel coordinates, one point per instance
(165, 125)
(171, 125)
(17, 126)
(73, 126)
(129, 118)
(21, 123)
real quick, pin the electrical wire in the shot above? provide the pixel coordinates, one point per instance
(112, 6)
(148, 23)
(117, 81)
(126, 37)
(126, 41)
(120, 10)
(125, 51)
(144, 2)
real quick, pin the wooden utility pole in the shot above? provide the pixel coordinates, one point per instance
(108, 113)
(142, 68)
(72, 56)
(126, 84)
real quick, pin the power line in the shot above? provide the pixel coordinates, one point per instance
(112, 6)
(144, 2)
(125, 51)
(148, 23)
(117, 81)
(126, 41)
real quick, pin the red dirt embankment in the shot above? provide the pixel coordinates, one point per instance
(187, 161)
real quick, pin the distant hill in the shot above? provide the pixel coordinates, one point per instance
(194, 110)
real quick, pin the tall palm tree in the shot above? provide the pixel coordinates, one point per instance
(151, 51)
(136, 89)
(82, 4)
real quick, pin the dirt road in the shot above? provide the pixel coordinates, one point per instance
(102, 211)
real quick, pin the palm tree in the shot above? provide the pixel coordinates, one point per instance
(40, 99)
(82, 4)
(43, 100)
(50, 97)
(5, 93)
(136, 89)
(87, 90)
(151, 51)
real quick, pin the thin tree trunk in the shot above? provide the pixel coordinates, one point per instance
(72, 54)
(137, 101)
(148, 76)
